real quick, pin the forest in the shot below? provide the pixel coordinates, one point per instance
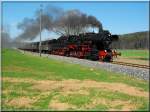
(137, 40)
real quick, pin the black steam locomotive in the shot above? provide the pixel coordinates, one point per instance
(93, 46)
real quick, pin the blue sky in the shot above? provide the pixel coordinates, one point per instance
(117, 17)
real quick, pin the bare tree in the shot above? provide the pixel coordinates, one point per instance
(6, 41)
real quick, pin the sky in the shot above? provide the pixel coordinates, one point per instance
(117, 17)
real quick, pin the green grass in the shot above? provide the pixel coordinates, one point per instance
(15, 64)
(21, 66)
(76, 99)
(44, 101)
(137, 54)
(100, 107)
(111, 96)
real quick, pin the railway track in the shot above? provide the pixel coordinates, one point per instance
(131, 64)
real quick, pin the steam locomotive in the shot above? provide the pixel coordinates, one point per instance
(92, 46)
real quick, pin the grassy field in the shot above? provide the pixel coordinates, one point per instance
(34, 83)
(135, 54)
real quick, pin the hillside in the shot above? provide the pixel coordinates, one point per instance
(137, 40)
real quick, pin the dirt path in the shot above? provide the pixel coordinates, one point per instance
(74, 85)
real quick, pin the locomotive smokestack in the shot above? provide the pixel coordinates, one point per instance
(100, 28)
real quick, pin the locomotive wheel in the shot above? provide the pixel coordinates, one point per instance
(67, 54)
(88, 56)
(108, 58)
(94, 55)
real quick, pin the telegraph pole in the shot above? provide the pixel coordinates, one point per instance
(40, 29)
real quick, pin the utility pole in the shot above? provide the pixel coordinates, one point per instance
(40, 29)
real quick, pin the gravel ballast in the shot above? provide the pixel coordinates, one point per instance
(141, 73)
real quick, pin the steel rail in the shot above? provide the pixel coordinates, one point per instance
(131, 64)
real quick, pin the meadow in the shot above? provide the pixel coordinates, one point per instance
(135, 54)
(37, 83)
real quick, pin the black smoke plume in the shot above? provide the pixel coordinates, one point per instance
(56, 20)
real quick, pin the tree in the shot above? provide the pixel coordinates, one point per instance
(5, 38)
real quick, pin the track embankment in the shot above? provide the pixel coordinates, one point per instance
(140, 73)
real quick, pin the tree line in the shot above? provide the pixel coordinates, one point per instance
(138, 40)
